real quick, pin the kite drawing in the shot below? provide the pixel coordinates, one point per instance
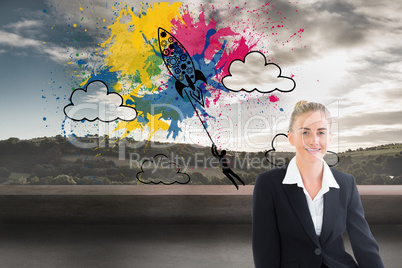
(181, 67)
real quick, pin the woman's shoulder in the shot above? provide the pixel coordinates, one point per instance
(342, 177)
(341, 174)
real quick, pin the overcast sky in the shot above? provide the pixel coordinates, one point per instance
(349, 57)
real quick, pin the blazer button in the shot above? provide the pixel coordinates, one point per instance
(317, 251)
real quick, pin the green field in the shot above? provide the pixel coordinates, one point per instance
(385, 150)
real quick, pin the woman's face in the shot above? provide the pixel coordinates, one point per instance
(311, 135)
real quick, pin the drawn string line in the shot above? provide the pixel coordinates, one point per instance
(198, 115)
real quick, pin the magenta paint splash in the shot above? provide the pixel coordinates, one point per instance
(214, 35)
(273, 98)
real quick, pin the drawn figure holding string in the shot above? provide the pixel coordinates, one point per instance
(224, 163)
(181, 67)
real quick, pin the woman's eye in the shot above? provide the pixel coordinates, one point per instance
(304, 132)
(321, 133)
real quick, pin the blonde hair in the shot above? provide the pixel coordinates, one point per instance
(302, 107)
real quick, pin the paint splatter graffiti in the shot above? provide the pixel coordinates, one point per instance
(142, 60)
(132, 62)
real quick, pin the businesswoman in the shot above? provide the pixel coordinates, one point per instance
(301, 210)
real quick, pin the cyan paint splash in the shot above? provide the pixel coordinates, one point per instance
(133, 65)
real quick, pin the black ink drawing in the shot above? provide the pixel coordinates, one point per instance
(97, 103)
(181, 67)
(160, 170)
(255, 74)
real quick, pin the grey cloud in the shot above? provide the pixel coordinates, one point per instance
(23, 24)
(346, 9)
(47, 34)
(341, 25)
(23, 46)
(395, 94)
(373, 118)
(327, 26)
(11, 39)
(298, 55)
(372, 138)
(348, 104)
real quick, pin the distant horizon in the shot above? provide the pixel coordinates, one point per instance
(199, 145)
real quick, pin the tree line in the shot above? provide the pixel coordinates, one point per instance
(43, 161)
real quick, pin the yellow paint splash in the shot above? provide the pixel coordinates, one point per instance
(127, 49)
(154, 124)
(84, 82)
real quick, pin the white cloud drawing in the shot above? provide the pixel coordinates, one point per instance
(254, 73)
(96, 103)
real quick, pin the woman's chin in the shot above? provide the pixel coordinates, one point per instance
(313, 157)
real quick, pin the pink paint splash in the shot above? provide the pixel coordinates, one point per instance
(273, 98)
(216, 95)
(186, 32)
(243, 39)
(207, 102)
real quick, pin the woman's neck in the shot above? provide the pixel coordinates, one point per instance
(311, 172)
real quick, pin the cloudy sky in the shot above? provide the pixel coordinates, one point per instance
(349, 57)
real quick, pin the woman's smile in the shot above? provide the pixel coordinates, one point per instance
(313, 150)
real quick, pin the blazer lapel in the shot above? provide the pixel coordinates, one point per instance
(331, 205)
(298, 200)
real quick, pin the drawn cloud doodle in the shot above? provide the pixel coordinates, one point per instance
(271, 156)
(331, 157)
(97, 103)
(254, 73)
(160, 170)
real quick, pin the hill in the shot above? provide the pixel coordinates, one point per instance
(97, 160)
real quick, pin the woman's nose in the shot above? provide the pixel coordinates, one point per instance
(313, 139)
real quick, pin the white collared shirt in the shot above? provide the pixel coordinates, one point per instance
(316, 205)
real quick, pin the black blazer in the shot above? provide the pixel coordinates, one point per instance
(283, 231)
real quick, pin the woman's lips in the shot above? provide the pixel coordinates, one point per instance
(313, 150)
